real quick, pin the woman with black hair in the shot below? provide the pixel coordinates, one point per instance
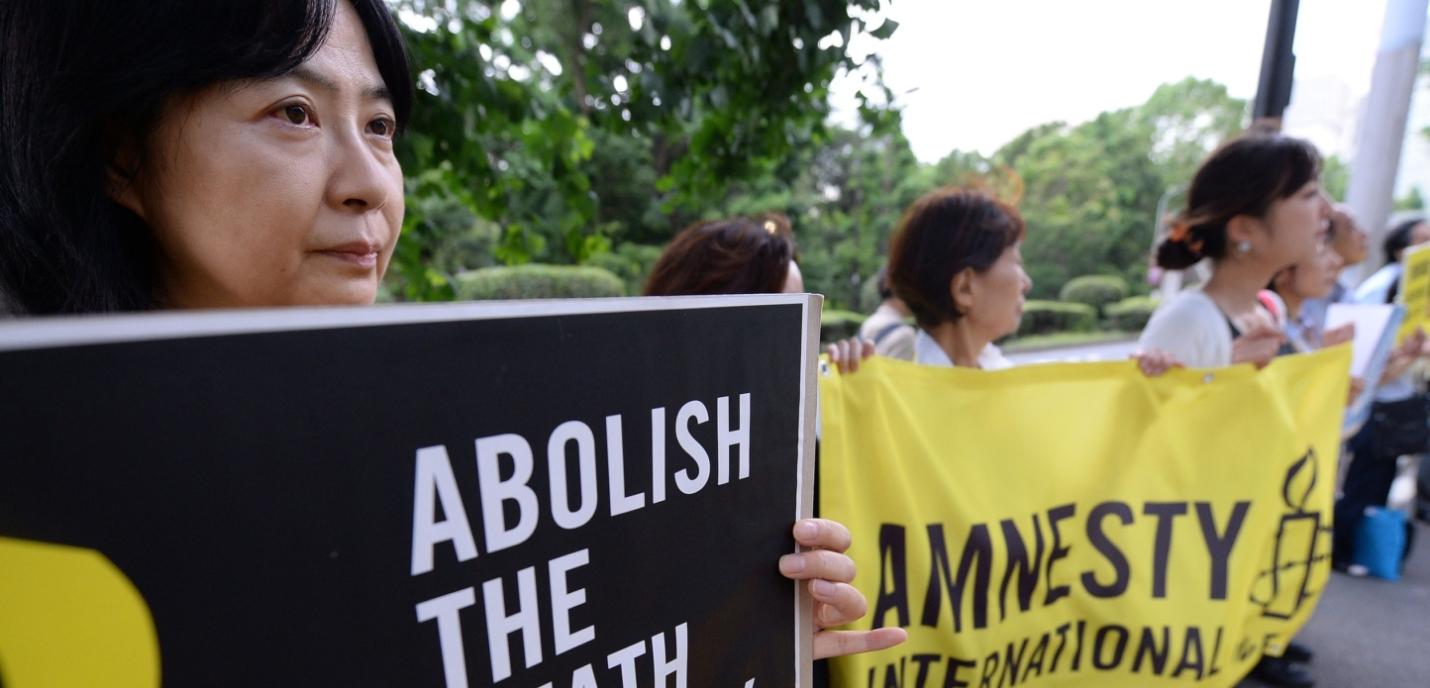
(1255, 207)
(196, 154)
(182, 154)
(955, 261)
(737, 255)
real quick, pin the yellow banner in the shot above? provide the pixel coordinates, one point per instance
(1415, 289)
(1082, 524)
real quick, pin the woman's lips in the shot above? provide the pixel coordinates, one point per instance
(360, 254)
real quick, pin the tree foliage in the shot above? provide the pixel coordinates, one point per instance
(584, 132)
(570, 124)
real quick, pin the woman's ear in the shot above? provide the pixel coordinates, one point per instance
(961, 288)
(1242, 228)
(121, 179)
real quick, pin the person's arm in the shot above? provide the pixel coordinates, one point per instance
(1259, 342)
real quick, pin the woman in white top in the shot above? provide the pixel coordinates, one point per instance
(1255, 207)
(955, 262)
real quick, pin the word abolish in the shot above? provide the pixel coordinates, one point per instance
(511, 509)
(436, 484)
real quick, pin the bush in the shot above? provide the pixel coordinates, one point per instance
(538, 282)
(1094, 290)
(1046, 317)
(631, 262)
(835, 324)
(1132, 314)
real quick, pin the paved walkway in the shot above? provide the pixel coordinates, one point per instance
(1370, 633)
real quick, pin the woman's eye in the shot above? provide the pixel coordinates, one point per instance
(296, 114)
(382, 127)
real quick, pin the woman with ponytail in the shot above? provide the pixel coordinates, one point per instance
(1255, 207)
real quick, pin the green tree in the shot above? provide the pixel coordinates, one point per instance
(1412, 200)
(573, 123)
(1089, 192)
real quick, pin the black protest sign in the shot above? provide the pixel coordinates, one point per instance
(564, 494)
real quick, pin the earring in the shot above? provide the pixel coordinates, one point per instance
(1243, 247)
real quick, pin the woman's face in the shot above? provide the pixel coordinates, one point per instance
(1295, 227)
(277, 191)
(1314, 278)
(1350, 240)
(997, 295)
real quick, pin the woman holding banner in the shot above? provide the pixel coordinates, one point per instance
(955, 262)
(1255, 207)
(216, 155)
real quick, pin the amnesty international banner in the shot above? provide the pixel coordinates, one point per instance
(1082, 524)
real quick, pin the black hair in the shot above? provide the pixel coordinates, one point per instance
(1242, 177)
(82, 79)
(1398, 239)
(738, 255)
(942, 234)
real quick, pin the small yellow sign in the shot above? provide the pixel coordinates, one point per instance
(1414, 290)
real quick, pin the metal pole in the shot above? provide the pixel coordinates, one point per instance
(1278, 65)
(1381, 134)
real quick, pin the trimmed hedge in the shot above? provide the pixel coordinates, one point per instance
(534, 281)
(1097, 291)
(1131, 314)
(630, 262)
(835, 324)
(1045, 317)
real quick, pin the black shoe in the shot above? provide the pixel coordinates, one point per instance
(1276, 671)
(1298, 653)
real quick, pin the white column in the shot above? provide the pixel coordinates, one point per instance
(1381, 134)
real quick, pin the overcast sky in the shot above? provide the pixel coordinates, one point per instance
(972, 74)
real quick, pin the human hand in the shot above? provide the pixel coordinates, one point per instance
(836, 602)
(1258, 343)
(847, 354)
(1357, 387)
(1404, 355)
(1338, 335)
(1155, 362)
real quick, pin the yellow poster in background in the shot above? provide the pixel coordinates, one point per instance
(1082, 524)
(1414, 290)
